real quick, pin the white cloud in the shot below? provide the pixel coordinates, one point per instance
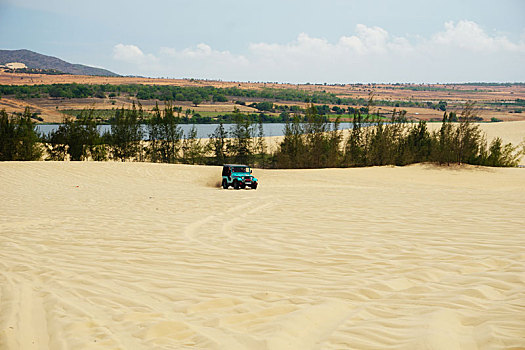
(131, 54)
(368, 40)
(462, 51)
(373, 39)
(470, 36)
(203, 52)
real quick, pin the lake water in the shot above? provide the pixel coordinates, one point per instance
(203, 130)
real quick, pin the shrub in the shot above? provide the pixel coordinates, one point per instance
(18, 137)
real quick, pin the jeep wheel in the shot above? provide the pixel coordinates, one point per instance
(254, 185)
(236, 184)
(225, 184)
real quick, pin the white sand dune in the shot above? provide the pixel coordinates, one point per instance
(151, 256)
(513, 132)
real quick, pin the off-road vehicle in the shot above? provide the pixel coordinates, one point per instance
(238, 176)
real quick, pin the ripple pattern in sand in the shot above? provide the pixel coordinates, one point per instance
(147, 256)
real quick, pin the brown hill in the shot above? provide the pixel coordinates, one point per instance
(35, 60)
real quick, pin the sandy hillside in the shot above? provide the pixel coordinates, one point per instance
(509, 132)
(513, 132)
(154, 256)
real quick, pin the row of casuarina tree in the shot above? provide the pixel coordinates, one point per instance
(316, 143)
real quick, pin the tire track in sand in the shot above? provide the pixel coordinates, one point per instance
(226, 220)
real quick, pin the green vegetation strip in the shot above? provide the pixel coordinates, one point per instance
(195, 95)
(312, 142)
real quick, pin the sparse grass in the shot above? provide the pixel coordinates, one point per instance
(97, 113)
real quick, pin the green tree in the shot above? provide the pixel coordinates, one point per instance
(192, 147)
(165, 135)
(333, 146)
(126, 134)
(171, 134)
(502, 155)
(264, 106)
(242, 133)
(154, 127)
(315, 139)
(260, 148)
(78, 138)
(355, 148)
(197, 101)
(290, 153)
(218, 143)
(443, 142)
(418, 144)
(28, 147)
(18, 137)
(468, 137)
(376, 145)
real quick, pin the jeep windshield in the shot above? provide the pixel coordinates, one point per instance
(240, 169)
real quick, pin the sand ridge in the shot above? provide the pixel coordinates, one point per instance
(141, 256)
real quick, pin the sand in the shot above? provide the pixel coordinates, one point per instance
(513, 132)
(155, 256)
(510, 132)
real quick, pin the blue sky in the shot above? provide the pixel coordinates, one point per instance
(334, 41)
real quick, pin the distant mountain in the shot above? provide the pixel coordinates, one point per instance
(35, 60)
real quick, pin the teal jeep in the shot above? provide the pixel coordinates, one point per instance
(238, 176)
